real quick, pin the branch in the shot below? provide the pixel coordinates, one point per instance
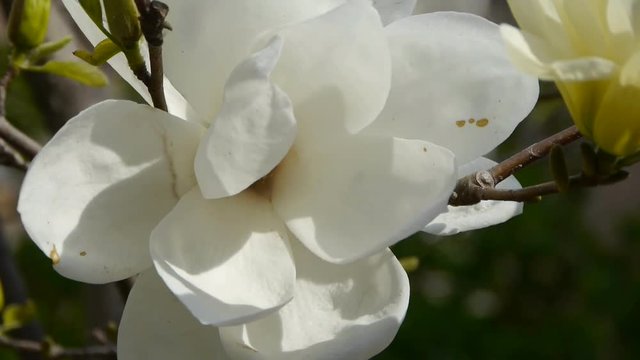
(535, 192)
(152, 22)
(13, 137)
(534, 152)
(481, 185)
(56, 351)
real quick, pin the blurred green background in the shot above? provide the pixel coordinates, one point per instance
(561, 281)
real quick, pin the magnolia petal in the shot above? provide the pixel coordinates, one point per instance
(540, 17)
(155, 325)
(522, 54)
(486, 213)
(453, 84)
(361, 196)
(253, 131)
(336, 70)
(94, 193)
(392, 10)
(211, 37)
(616, 128)
(583, 69)
(176, 103)
(478, 7)
(228, 260)
(339, 312)
(520, 45)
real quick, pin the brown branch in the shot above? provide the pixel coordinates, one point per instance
(533, 193)
(152, 22)
(15, 138)
(54, 351)
(534, 152)
(474, 188)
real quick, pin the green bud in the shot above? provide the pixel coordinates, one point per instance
(606, 163)
(28, 22)
(558, 166)
(589, 160)
(124, 25)
(410, 263)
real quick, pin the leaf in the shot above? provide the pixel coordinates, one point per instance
(16, 316)
(48, 48)
(79, 71)
(104, 51)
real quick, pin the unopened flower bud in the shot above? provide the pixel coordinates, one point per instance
(124, 25)
(28, 22)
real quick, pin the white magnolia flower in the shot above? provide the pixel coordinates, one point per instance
(309, 138)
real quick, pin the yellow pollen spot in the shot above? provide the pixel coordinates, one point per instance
(482, 122)
(472, 120)
(55, 257)
(83, 253)
(460, 123)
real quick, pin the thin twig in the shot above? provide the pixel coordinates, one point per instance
(534, 152)
(58, 352)
(532, 193)
(476, 187)
(152, 22)
(14, 137)
(10, 157)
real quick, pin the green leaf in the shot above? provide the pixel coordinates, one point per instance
(16, 316)
(104, 51)
(48, 48)
(79, 71)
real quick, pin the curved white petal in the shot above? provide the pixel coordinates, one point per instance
(339, 312)
(486, 213)
(392, 10)
(520, 50)
(478, 7)
(228, 260)
(359, 197)
(155, 325)
(211, 37)
(176, 103)
(94, 193)
(253, 131)
(453, 84)
(336, 70)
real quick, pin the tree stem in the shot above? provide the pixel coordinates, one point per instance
(152, 22)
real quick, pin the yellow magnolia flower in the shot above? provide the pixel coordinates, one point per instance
(591, 49)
